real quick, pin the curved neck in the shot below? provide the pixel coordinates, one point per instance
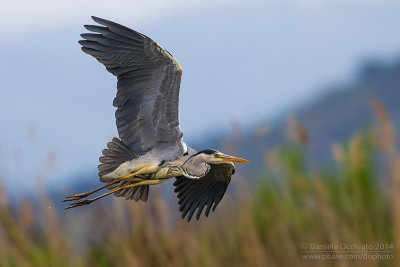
(195, 167)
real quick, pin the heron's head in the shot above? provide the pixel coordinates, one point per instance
(212, 156)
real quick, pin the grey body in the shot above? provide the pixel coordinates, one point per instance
(190, 164)
(147, 101)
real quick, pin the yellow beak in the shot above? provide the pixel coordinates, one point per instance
(234, 159)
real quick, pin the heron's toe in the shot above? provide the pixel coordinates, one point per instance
(76, 197)
(79, 203)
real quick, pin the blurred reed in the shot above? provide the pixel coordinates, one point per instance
(265, 226)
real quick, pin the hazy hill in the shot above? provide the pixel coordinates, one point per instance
(334, 117)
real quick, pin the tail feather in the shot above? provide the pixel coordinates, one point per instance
(114, 155)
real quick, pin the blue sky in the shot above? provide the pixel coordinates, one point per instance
(242, 60)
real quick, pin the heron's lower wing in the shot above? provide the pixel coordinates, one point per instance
(196, 194)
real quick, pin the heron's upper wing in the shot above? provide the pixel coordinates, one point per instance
(195, 194)
(148, 84)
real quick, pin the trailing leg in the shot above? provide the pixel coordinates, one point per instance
(88, 201)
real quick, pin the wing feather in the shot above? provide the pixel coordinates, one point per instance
(148, 85)
(195, 194)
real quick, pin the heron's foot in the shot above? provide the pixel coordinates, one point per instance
(82, 202)
(79, 203)
(83, 195)
(76, 197)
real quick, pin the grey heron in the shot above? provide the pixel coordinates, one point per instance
(150, 148)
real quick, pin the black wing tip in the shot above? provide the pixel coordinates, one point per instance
(87, 27)
(83, 43)
(98, 19)
(190, 216)
(106, 22)
(87, 50)
(189, 213)
(94, 28)
(110, 24)
(87, 35)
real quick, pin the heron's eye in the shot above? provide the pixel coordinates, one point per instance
(217, 155)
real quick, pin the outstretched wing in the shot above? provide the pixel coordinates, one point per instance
(148, 85)
(195, 194)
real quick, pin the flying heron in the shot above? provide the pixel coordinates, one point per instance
(150, 148)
